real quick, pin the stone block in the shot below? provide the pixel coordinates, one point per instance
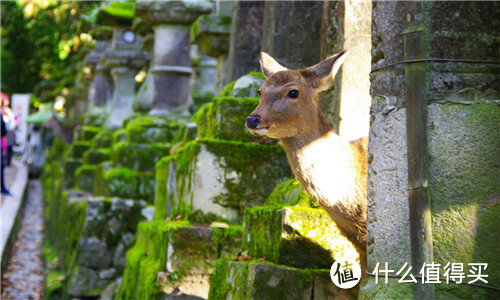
(224, 119)
(127, 183)
(96, 116)
(254, 280)
(78, 148)
(104, 139)
(84, 177)
(70, 166)
(211, 34)
(100, 185)
(150, 129)
(464, 167)
(220, 177)
(96, 156)
(139, 157)
(248, 85)
(294, 236)
(88, 132)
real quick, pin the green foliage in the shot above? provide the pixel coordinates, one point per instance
(40, 44)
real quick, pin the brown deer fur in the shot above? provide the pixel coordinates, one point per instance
(333, 171)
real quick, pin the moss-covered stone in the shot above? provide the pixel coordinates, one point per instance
(70, 166)
(224, 118)
(119, 135)
(163, 194)
(84, 177)
(103, 139)
(96, 116)
(290, 192)
(150, 129)
(77, 149)
(139, 157)
(88, 132)
(100, 185)
(221, 177)
(126, 183)
(392, 290)
(109, 227)
(294, 236)
(146, 259)
(253, 280)
(96, 156)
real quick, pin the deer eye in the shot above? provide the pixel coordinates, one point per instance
(293, 94)
(258, 92)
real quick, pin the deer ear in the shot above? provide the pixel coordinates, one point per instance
(268, 65)
(324, 72)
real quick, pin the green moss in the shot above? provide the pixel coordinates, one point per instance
(120, 10)
(96, 156)
(100, 184)
(290, 192)
(78, 148)
(161, 196)
(70, 167)
(89, 132)
(261, 168)
(301, 237)
(85, 177)
(227, 91)
(126, 183)
(258, 280)
(146, 259)
(103, 139)
(140, 157)
(148, 129)
(392, 290)
(224, 118)
(119, 135)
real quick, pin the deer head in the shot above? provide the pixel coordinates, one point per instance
(288, 104)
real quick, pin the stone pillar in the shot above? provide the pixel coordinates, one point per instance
(98, 91)
(124, 59)
(171, 67)
(246, 38)
(347, 25)
(433, 193)
(211, 34)
(291, 32)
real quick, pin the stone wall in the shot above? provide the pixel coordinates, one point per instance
(445, 158)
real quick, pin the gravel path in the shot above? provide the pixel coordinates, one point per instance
(23, 278)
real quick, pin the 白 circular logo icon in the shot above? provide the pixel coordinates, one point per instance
(345, 273)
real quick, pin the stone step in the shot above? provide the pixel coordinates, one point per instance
(301, 237)
(139, 157)
(218, 177)
(119, 182)
(224, 119)
(256, 280)
(108, 230)
(175, 257)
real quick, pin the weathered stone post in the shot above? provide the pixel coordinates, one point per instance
(211, 34)
(171, 67)
(433, 193)
(246, 38)
(124, 58)
(98, 91)
(347, 25)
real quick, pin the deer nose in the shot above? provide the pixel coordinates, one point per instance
(253, 121)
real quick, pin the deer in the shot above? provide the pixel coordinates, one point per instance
(332, 170)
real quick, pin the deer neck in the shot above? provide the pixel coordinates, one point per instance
(318, 160)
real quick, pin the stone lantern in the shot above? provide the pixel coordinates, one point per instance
(124, 57)
(171, 64)
(211, 34)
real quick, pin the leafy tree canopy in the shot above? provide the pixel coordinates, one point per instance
(41, 42)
